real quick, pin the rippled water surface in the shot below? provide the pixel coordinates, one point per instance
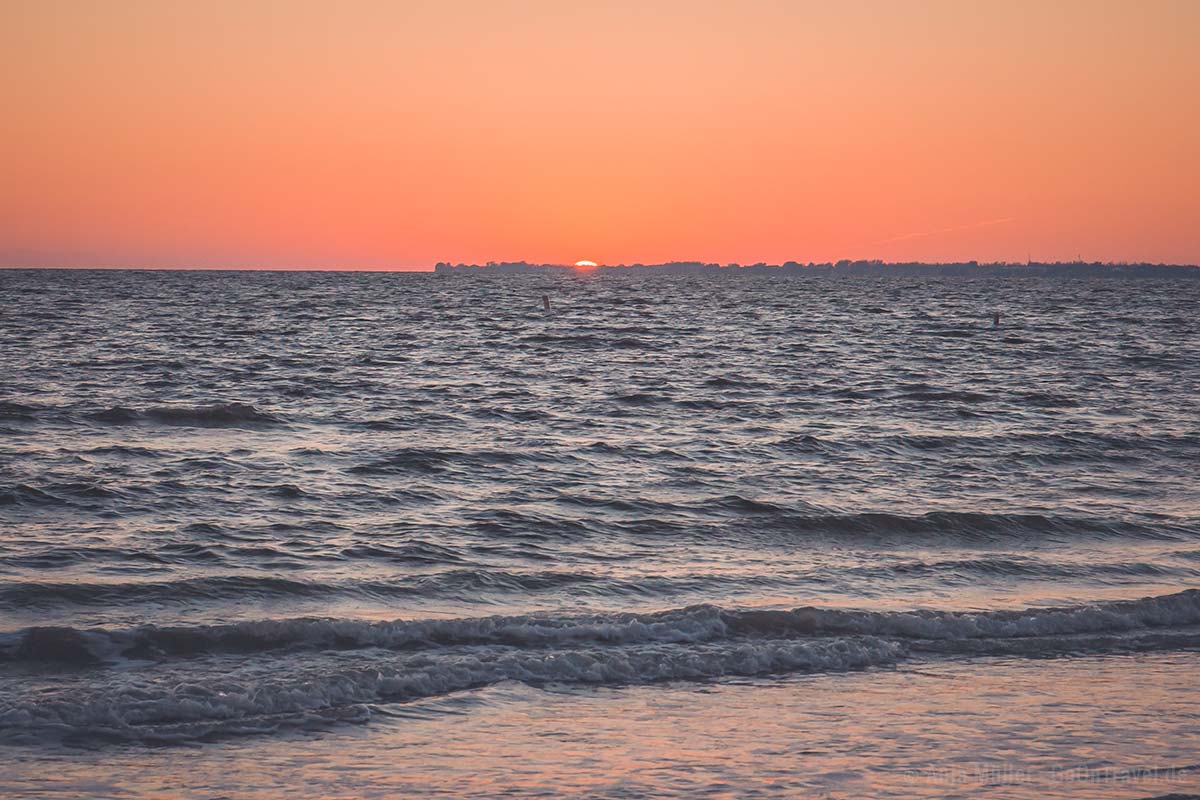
(243, 507)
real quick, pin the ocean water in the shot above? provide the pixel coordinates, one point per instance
(363, 534)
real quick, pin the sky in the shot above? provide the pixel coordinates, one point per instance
(392, 135)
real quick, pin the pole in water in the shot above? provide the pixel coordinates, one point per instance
(546, 302)
(996, 319)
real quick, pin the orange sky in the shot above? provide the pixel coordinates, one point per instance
(396, 134)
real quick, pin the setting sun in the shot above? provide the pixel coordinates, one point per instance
(586, 265)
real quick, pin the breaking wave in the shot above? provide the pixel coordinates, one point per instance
(209, 681)
(704, 623)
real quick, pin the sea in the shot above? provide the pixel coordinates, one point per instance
(339, 534)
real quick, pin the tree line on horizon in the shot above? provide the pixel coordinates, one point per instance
(846, 267)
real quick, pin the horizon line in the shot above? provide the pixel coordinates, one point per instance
(637, 265)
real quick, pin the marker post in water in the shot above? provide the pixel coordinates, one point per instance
(546, 302)
(996, 319)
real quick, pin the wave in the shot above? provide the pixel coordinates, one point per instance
(230, 705)
(467, 583)
(693, 624)
(640, 399)
(1058, 446)
(585, 340)
(1022, 566)
(932, 394)
(806, 443)
(967, 526)
(67, 493)
(26, 495)
(1148, 613)
(434, 460)
(201, 698)
(124, 450)
(22, 594)
(57, 557)
(764, 519)
(216, 415)
(11, 410)
(460, 578)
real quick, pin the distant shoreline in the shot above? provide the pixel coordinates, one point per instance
(965, 269)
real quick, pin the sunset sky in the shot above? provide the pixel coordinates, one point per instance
(396, 134)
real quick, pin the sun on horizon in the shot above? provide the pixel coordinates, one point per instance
(586, 265)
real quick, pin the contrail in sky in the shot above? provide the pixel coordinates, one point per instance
(982, 224)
